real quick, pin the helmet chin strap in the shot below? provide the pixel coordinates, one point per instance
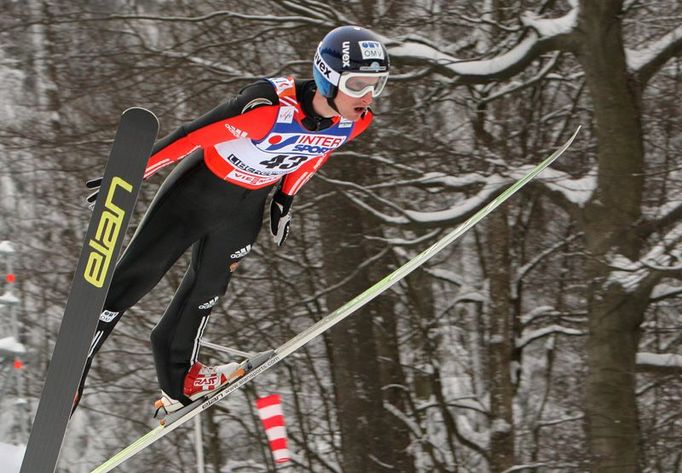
(330, 102)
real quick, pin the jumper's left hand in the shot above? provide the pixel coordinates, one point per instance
(280, 216)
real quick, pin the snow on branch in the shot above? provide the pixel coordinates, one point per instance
(553, 466)
(577, 191)
(554, 26)
(294, 20)
(670, 213)
(527, 338)
(516, 86)
(659, 362)
(570, 193)
(542, 35)
(662, 258)
(398, 243)
(537, 312)
(463, 209)
(453, 182)
(446, 275)
(452, 215)
(645, 62)
(667, 214)
(665, 291)
(414, 427)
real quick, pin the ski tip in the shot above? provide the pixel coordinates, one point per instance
(566, 145)
(139, 111)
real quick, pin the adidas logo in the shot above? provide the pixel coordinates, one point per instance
(209, 304)
(236, 131)
(241, 253)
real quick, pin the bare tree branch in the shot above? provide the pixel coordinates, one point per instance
(542, 36)
(646, 62)
(659, 363)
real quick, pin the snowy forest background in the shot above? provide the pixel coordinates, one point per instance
(546, 340)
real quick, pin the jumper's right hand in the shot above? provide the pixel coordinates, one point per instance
(93, 184)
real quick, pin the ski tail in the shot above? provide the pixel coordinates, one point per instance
(121, 183)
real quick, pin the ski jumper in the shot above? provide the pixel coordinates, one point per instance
(213, 202)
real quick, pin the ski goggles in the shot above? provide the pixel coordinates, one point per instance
(357, 84)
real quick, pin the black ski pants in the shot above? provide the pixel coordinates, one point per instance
(220, 221)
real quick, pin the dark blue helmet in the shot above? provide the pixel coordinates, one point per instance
(351, 59)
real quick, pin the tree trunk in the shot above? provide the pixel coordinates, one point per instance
(500, 344)
(396, 437)
(214, 460)
(608, 220)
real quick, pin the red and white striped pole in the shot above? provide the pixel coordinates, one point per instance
(272, 416)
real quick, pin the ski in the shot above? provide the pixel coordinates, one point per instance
(269, 359)
(122, 179)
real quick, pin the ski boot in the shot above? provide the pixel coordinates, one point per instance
(199, 381)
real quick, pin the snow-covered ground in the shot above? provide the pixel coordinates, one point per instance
(10, 457)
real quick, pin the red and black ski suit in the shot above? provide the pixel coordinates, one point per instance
(214, 201)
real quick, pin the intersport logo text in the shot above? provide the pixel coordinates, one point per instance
(303, 144)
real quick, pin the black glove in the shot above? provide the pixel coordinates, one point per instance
(280, 217)
(93, 184)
